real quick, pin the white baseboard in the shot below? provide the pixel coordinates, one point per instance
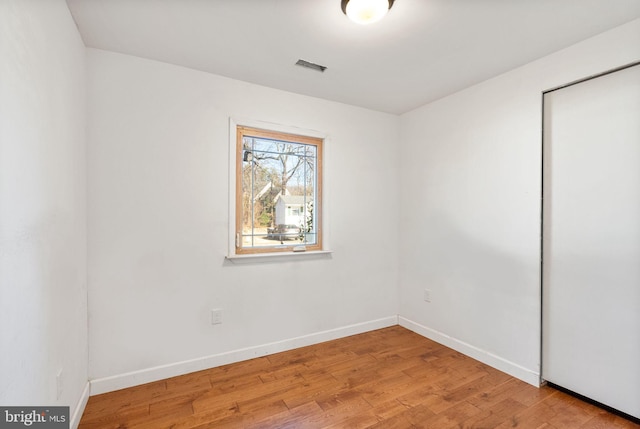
(483, 356)
(109, 384)
(134, 378)
(82, 403)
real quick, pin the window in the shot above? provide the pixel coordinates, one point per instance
(278, 192)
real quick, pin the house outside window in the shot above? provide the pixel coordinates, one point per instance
(278, 192)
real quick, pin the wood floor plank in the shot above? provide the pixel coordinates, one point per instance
(501, 414)
(534, 417)
(387, 410)
(207, 418)
(389, 378)
(606, 420)
(452, 417)
(511, 388)
(286, 419)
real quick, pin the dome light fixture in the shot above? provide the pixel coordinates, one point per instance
(366, 11)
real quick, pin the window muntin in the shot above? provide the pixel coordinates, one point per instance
(278, 191)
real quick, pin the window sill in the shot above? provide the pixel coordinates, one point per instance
(278, 257)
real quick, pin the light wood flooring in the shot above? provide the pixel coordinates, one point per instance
(389, 378)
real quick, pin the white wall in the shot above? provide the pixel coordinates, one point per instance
(470, 206)
(43, 313)
(158, 167)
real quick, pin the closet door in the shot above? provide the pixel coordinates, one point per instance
(591, 239)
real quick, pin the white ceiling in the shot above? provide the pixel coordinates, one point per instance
(421, 51)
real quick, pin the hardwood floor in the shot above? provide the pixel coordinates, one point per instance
(390, 378)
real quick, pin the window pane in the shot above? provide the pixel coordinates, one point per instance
(278, 193)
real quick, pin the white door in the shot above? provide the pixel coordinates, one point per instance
(591, 239)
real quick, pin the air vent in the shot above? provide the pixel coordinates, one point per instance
(312, 66)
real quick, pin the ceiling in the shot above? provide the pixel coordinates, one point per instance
(421, 51)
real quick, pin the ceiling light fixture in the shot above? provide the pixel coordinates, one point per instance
(366, 11)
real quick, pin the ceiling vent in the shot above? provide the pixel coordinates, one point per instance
(312, 66)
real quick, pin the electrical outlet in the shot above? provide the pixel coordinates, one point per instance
(216, 316)
(427, 295)
(59, 384)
